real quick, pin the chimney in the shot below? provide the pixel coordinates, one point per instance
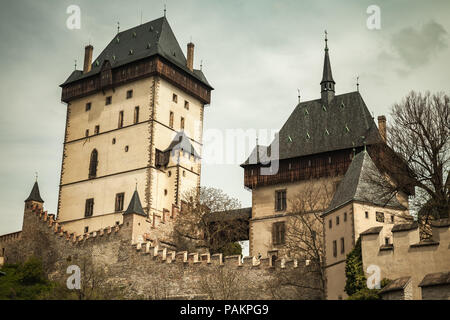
(190, 56)
(87, 58)
(382, 127)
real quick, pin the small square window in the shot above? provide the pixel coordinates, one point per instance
(380, 216)
(129, 94)
(88, 106)
(186, 105)
(174, 98)
(108, 100)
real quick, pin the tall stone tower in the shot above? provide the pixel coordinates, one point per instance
(134, 121)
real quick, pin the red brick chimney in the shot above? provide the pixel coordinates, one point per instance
(382, 127)
(87, 58)
(190, 56)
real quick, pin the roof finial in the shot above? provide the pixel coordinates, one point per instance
(165, 9)
(75, 64)
(201, 64)
(357, 83)
(118, 27)
(136, 184)
(326, 40)
(298, 90)
(36, 175)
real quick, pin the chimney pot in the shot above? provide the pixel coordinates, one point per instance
(190, 56)
(88, 50)
(382, 127)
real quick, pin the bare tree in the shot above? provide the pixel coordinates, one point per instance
(205, 220)
(419, 137)
(305, 242)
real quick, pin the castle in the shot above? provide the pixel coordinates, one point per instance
(133, 145)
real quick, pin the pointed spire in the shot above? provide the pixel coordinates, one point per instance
(135, 205)
(35, 195)
(327, 83)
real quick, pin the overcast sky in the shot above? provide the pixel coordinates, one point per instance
(255, 54)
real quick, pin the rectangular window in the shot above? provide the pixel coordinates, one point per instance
(386, 240)
(278, 233)
(129, 94)
(367, 214)
(108, 100)
(392, 218)
(280, 200)
(89, 208)
(182, 123)
(97, 129)
(174, 98)
(119, 201)
(87, 132)
(136, 114)
(334, 248)
(330, 223)
(345, 216)
(186, 105)
(3, 252)
(120, 119)
(88, 106)
(171, 119)
(342, 245)
(380, 216)
(86, 229)
(337, 220)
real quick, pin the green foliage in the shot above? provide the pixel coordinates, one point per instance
(365, 294)
(25, 281)
(231, 249)
(354, 271)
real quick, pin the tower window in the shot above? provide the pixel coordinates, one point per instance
(97, 129)
(280, 200)
(108, 100)
(337, 220)
(334, 248)
(169, 173)
(345, 216)
(119, 201)
(278, 233)
(186, 105)
(126, 148)
(386, 241)
(330, 223)
(129, 94)
(136, 114)
(171, 119)
(120, 125)
(367, 214)
(165, 192)
(392, 218)
(380, 216)
(342, 245)
(182, 123)
(114, 141)
(174, 98)
(88, 106)
(86, 229)
(89, 207)
(87, 133)
(93, 164)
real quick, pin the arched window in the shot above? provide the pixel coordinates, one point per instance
(93, 164)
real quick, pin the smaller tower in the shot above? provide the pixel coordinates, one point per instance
(33, 200)
(327, 83)
(135, 220)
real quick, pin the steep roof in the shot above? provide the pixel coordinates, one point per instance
(182, 142)
(135, 205)
(152, 38)
(358, 185)
(327, 76)
(315, 127)
(35, 195)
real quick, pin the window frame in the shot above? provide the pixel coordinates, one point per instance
(279, 233)
(89, 208)
(280, 200)
(121, 117)
(129, 94)
(108, 100)
(119, 202)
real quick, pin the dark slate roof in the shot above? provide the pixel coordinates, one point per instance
(373, 230)
(404, 227)
(182, 142)
(152, 38)
(395, 285)
(315, 127)
(236, 214)
(35, 195)
(358, 185)
(434, 279)
(135, 205)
